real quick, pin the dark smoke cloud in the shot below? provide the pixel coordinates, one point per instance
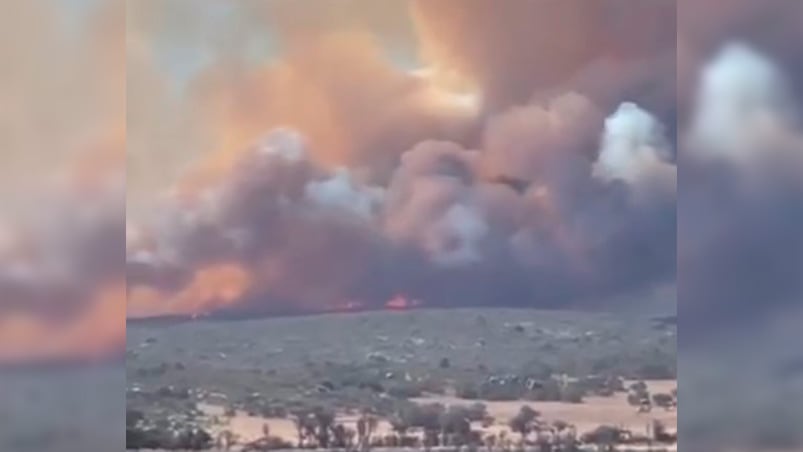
(442, 230)
(488, 175)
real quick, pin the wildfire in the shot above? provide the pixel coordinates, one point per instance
(210, 288)
(401, 303)
(397, 303)
(349, 306)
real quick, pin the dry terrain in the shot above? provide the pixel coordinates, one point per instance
(267, 369)
(595, 411)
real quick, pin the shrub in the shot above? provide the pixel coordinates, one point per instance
(467, 391)
(477, 412)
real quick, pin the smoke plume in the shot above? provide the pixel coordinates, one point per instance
(441, 154)
(281, 232)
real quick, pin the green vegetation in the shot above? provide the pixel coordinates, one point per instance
(306, 369)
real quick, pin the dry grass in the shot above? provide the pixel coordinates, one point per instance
(595, 411)
(249, 428)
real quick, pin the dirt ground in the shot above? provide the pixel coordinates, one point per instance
(587, 416)
(249, 428)
(590, 414)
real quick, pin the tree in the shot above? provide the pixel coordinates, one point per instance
(664, 401)
(638, 387)
(399, 425)
(572, 393)
(604, 436)
(340, 436)
(193, 439)
(477, 412)
(226, 439)
(305, 426)
(661, 434)
(522, 422)
(455, 424)
(366, 425)
(423, 416)
(467, 390)
(324, 419)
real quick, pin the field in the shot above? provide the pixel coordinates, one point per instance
(264, 370)
(595, 411)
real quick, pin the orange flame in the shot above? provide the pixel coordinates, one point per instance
(211, 288)
(401, 303)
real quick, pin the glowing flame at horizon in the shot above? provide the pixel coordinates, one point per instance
(401, 303)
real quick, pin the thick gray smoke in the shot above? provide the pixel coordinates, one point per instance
(588, 209)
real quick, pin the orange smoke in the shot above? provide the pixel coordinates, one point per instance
(340, 91)
(96, 329)
(211, 288)
(96, 332)
(303, 92)
(102, 161)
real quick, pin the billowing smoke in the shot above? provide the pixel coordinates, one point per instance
(437, 152)
(589, 210)
(607, 50)
(364, 84)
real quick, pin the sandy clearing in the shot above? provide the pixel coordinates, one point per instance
(595, 411)
(249, 428)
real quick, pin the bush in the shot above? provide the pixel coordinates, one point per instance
(404, 390)
(522, 422)
(662, 400)
(477, 412)
(161, 438)
(423, 416)
(603, 435)
(501, 391)
(573, 393)
(546, 391)
(467, 391)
